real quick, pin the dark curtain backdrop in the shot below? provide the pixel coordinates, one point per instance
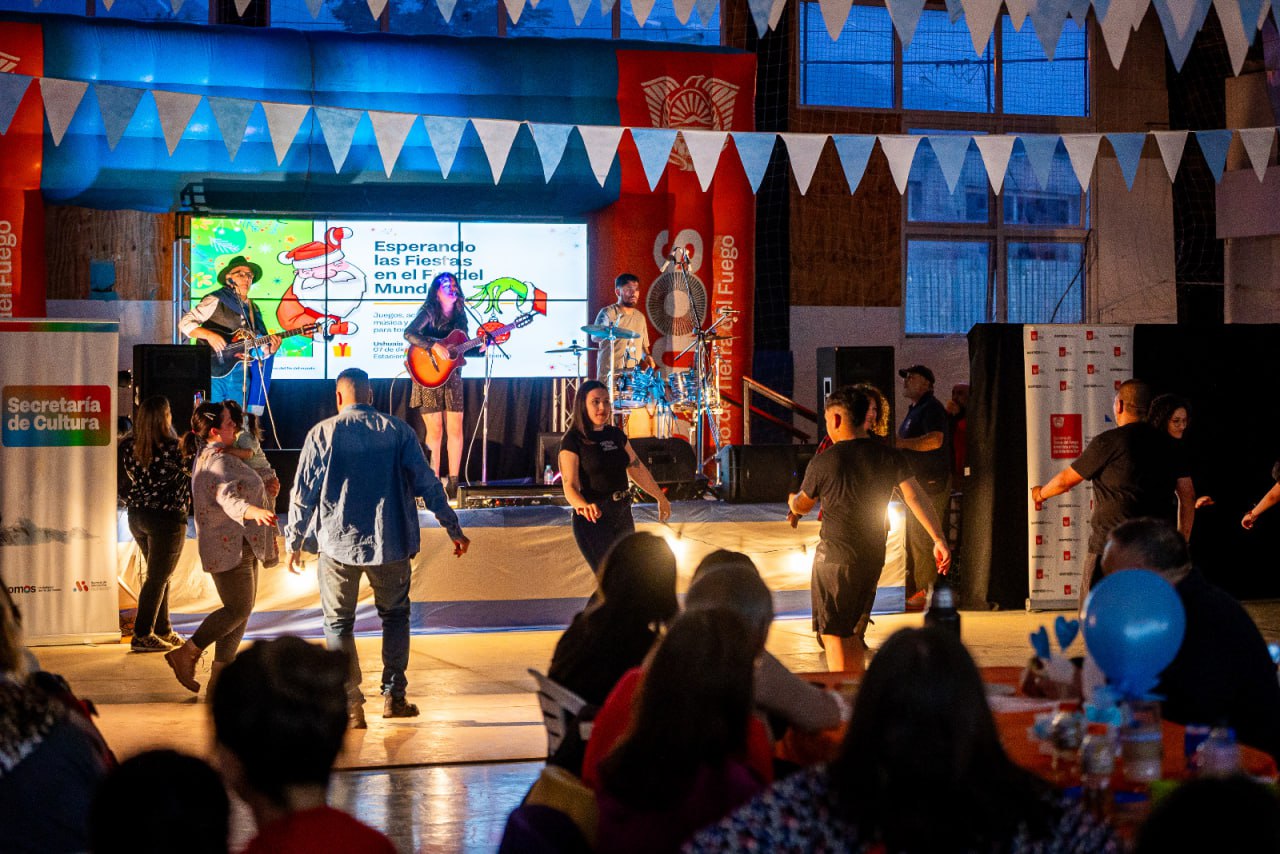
(519, 409)
(1232, 440)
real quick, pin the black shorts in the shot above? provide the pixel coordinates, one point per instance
(446, 398)
(842, 594)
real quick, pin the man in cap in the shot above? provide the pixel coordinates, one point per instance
(922, 437)
(217, 319)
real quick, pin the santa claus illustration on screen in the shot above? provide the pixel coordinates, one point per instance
(326, 287)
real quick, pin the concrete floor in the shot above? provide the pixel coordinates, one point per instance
(445, 781)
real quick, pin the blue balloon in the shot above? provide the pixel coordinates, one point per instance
(1133, 626)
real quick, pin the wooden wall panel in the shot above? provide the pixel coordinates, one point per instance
(135, 248)
(846, 249)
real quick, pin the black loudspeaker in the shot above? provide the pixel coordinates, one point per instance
(176, 371)
(842, 366)
(761, 474)
(285, 462)
(672, 464)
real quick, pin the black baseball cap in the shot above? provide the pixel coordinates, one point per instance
(917, 369)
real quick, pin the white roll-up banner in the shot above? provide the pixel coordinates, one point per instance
(58, 477)
(1071, 374)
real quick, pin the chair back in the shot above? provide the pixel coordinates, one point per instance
(559, 707)
(538, 829)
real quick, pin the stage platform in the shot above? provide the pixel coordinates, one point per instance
(523, 570)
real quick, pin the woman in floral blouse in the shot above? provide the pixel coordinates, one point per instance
(234, 531)
(156, 490)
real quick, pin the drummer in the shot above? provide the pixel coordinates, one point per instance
(624, 353)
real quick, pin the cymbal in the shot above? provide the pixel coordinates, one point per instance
(575, 349)
(600, 330)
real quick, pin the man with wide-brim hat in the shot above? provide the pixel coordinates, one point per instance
(224, 314)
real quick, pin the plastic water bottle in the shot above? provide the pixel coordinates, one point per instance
(941, 611)
(1219, 754)
(547, 474)
(1097, 764)
(197, 400)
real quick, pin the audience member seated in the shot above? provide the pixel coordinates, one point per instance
(279, 714)
(785, 697)
(1233, 814)
(1222, 672)
(754, 606)
(682, 764)
(921, 769)
(616, 631)
(160, 801)
(51, 755)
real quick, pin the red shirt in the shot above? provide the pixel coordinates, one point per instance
(614, 719)
(319, 829)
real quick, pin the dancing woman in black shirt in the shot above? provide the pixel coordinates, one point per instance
(596, 461)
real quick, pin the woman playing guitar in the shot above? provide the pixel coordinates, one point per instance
(441, 313)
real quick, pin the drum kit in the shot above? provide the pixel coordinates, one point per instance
(690, 393)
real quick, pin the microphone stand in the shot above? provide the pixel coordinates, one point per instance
(698, 346)
(491, 345)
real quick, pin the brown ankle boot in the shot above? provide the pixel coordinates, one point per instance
(183, 661)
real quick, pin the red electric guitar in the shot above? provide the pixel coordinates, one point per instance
(433, 367)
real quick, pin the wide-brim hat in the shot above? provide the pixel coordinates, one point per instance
(239, 261)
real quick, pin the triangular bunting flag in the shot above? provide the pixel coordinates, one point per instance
(445, 133)
(775, 14)
(654, 146)
(117, 105)
(1180, 45)
(996, 151)
(1257, 144)
(446, 8)
(61, 98)
(376, 8)
(514, 8)
(390, 131)
(981, 16)
(175, 109)
(496, 135)
(1181, 13)
(754, 150)
(684, 8)
(313, 6)
(1082, 148)
(1017, 12)
(232, 117)
(1234, 33)
(1128, 149)
(1171, 143)
(1040, 149)
(950, 150)
(854, 151)
(551, 141)
(900, 151)
(1100, 9)
(242, 6)
(834, 14)
(804, 149)
(12, 88)
(706, 9)
(606, 7)
(601, 142)
(1214, 145)
(955, 10)
(177, 6)
(338, 126)
(641, 9)
(283, 121)
(760, 14)
(1116, 28)
(1078, 11)
(905, 14)
(1048, 17)
(704, 148)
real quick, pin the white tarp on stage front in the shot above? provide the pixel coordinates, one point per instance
(58, 477)
(1071, 374)
(524, 570)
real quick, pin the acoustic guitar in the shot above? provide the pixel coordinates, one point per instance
(433, 366)
(242, 341)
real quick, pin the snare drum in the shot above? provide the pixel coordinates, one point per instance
(684, 390)
(629, 390)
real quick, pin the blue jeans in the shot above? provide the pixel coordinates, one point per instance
(231, 387)
(339, 592)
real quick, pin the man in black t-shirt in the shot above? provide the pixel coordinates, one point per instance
(854, 480)
(1134, 468)
(924, 439)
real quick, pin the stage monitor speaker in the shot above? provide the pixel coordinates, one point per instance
(672, 464)
(176, 371)
(761, 474)
(842, 366)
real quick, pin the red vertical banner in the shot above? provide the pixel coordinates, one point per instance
(716, 227)
(22, 267)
